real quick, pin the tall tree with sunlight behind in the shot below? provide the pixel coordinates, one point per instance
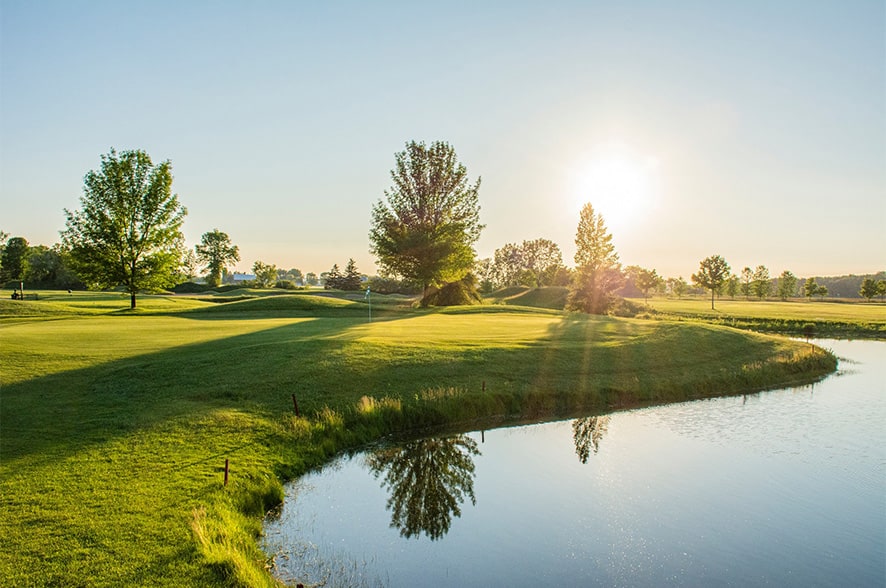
(597, 269)
(426, 230)
(128, 231)
(712, 273)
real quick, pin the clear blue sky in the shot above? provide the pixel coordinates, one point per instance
(756, 129)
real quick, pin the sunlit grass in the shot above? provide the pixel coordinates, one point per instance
(115, 426)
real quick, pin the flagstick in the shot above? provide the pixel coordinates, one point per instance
(369, 299)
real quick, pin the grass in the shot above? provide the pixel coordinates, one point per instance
(115, 425)
(793, 317)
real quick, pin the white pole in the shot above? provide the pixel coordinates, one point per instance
(369, 299)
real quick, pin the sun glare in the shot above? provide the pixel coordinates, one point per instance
(621, 186)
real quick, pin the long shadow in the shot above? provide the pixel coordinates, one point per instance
(579, 365)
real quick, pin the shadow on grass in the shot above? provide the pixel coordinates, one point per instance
(584, 363)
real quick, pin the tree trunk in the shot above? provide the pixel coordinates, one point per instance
(712, 299)
(132, 300)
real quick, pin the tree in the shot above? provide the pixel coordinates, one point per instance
(747, 278)
(761, 284)
(868, 289)
(351, 280)
(426, 231)
(713, 271)
(597, 270)
(216, 251)
(541, 261)
(677, 286)
(332, 280)
(881, 288)
(128, 231)
(311, 279)
(265, 274)
(811, 288)
(189, 263)
(13, 259)
(507, 265)
(733, 286)
(646, 280)
(787, 285)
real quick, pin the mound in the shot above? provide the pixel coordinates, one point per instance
(286, 303)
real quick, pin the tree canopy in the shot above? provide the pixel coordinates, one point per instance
(597, 269)
(712, 273)
(216, 251)
(426, 229)
(13, 259)
(128, 230)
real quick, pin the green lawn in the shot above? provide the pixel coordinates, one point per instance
(115, 425)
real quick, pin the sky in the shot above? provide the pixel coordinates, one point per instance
(755, 130)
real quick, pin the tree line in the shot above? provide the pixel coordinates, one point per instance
(127, 233)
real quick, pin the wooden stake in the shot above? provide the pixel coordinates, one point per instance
(295, 406)
(226, 472)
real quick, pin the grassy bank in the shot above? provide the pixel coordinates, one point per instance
(115, 426)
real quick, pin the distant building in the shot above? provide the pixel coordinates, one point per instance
(237, 277)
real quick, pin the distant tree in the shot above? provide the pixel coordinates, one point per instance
(678, 286)
(47, 267)
(265, 274)
(541, 261)
(188, 266)
(787, 285)
(868, 289)
(311, 279)
(747, 278)
(881, 288)
(216, 251)
(13, 259)
(426, 230)
(811, 288)
(732, 286)
(484, 270)
(128, 231)
(508, 265)
(597, 270)
(352, 279)
(333, 278)
(762, 285)
(645, 281)
(713, 271)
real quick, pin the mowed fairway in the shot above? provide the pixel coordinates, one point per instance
(115, 427)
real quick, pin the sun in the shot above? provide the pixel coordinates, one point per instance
(622, 186)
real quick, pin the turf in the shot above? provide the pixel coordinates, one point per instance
(115, 425)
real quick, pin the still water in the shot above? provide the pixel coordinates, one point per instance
(782, 488)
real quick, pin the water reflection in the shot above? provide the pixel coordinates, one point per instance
(587, 433)
(428, 480)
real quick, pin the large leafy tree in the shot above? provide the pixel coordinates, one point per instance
(712, 273)
(13, 259)
(426, 229)
(128, 229)
(216, 251)
(597, 270)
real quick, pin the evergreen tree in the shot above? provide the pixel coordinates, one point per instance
(597, 270)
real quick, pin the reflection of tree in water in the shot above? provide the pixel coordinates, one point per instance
(428, 479)
(587, 433)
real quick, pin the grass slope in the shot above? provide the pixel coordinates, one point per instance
(115, 426)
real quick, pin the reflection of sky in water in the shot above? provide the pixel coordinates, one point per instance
(781, 487)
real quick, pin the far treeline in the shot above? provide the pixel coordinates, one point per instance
(127, 235)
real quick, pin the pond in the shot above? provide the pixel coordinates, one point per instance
(781, 488)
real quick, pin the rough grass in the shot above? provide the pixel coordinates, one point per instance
(115, 426)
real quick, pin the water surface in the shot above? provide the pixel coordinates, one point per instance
(782, 488)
